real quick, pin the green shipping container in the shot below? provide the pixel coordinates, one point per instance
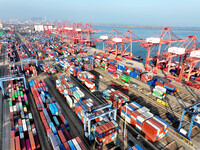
(10, 103)
(56, 121)
(26, 103)
(158, 94)
(102, 68)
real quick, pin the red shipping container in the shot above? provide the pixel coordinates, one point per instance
(12, 134)
(17, 143)
(80, 143)
(32, 142)
(12, 144)
(66, 145)
(62, 137)
(159, 83)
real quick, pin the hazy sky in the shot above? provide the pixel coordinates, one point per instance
(128, 12)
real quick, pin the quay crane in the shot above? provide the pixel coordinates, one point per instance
(153, 46)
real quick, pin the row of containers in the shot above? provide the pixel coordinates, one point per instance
(11, 53)
(14, 70)
(103, 130)
(153, 127)
(136, 72)
(161, 85)
(20, 51)
(66, 64)
(55, 124)
(23, 131)
(117, 99)
(29, 70)
(68, 89)
(48, 68)
(85, 77)
(38, 55)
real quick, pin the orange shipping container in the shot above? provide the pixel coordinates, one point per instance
(32, 142)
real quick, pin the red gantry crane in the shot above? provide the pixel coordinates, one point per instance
(119, 44)
(177, 55)
(190, 58)
(153, 46)
(77, 33)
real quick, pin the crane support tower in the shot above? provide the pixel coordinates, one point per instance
(2, 79)
(28, 60)
(193, 111)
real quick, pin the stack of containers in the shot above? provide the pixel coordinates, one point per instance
(103, 66)
(111, 69)
(135, 73)
(88, 67)
(56, 126)
(82, 107)
(144, 121)
(30, 70)
(71, 93)
(112, 62)
(97, 62)
(14, 70)
(159, 92)
(115, 98)
(125, 79)
(23, 131)
(90, 84)
(21, 52)
(73, 71)
(39, 56)
(169, 87)
(146, 76)
(121, 67)
(87, 78)
(106, 132)
(49, 69)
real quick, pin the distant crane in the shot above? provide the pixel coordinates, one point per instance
(118, 43)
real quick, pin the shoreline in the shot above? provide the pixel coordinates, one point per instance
(148, 27)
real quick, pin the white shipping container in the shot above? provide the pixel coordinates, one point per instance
(76, 144)
(24, 125)
(69, 101)
(11, 109)
(184, 132)
(140, 118)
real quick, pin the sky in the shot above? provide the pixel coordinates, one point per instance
(181, 13)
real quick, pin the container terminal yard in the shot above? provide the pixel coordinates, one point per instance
(58, 91)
